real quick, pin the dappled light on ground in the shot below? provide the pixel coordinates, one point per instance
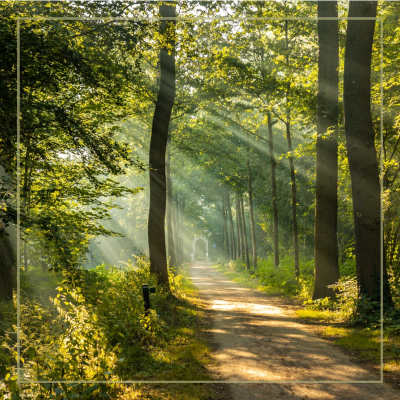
(259, 339)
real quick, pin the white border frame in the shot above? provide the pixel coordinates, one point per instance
(379, 19)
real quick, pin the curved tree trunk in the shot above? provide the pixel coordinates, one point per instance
(158, 144)
(363, 163)
(326, 268)
(274, 192)
(246, 247)
(252, 227)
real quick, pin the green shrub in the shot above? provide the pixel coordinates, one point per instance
(94, 328)
(281, 280)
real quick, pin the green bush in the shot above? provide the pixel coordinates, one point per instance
(93, 329)
(281, 280)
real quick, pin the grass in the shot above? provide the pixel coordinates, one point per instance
(244, 277)
(361, 343)
(315, 315)
(188, 354)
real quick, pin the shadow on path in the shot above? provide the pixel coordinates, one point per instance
(258, 339)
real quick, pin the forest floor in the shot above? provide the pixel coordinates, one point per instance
(257, 337)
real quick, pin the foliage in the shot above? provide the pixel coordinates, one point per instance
(72, 94)
(281, 280)
(98, 330)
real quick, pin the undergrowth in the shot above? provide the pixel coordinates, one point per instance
(96, 329)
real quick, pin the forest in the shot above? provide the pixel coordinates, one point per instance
(140, 139)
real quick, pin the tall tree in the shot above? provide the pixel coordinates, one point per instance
(239, 227)
(158, 145)
(176, 228)
(8, 261)
(246, 247)
(232, 231)
(225, 227)
(274, 192)
(294, 194)
(170, 231)
(326, 269)
(287, 122)
(362, 155)
(181, 231)
(252, 227)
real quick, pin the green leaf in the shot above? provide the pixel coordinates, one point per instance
(91, 389)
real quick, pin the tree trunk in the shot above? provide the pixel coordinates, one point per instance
(246, 247)
(363, 164)
(252, 227)
(233, 247)
(225, 228)
(8, 240)
(26, 199)
(176, 227)
(294, 206)
(158, 144)
(181, 231)
(326, 267)
(7, 265)
(239, 227)
(274, 192)
(178, 234)
(170, 233)
(228, 229)
(291, 165)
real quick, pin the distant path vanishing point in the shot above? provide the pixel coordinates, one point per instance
(258, 339)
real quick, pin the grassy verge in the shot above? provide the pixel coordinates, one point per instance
(187, 354)
(362, 344)
(243, 277)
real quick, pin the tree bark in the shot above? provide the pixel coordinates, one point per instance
(246, 247)
(239, 227)
(326, 267)
(158, 144)
(291, 164)
(7, 264)
(233, 247)
(252, 227)
(363, 164)
(225, 228)
(177, 231)
(8, 240)
(170, 233)
(294, 200)
(181, 231)
(274, 192)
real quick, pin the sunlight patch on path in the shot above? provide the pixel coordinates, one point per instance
(259, 339)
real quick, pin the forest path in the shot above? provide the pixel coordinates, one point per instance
(258, 339)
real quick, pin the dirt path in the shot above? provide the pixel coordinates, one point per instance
(258, 339)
